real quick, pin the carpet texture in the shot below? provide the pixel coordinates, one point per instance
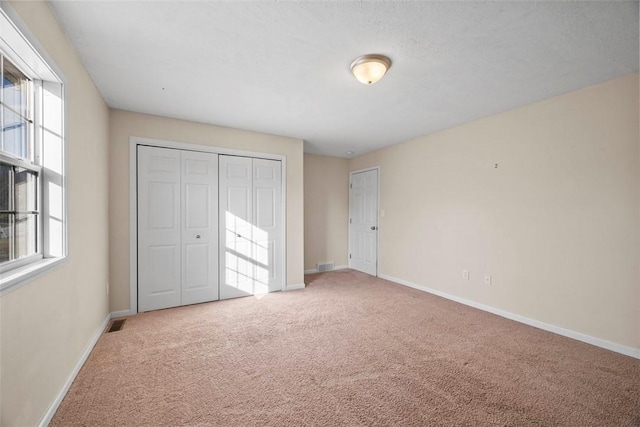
(348, 350)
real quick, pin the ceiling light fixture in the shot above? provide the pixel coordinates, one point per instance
(368, 69)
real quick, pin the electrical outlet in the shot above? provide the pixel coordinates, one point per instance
(465, 274)
(487, 279)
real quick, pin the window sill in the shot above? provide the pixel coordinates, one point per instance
(12, 280)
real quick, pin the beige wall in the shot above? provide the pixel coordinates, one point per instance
(555, 224)
(124, 124)
(47, 324)
(326, 210)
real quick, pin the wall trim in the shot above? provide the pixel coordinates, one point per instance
(598, 342)
(48, 416)
(337, 267)
(121, 313)
(295, 287)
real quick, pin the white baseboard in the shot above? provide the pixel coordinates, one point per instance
(337, 267)
(48, 416)
(121, 313)
(618, 348)
(295, 287)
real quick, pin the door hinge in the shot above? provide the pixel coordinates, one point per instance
(350, 185)
(349, 256)
(350, 220)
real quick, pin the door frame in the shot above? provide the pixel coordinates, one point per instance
(136, 141)
(351, 173)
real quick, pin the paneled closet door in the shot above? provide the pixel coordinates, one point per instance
(159, 229)
(251, 243)
(236, 260)
(199, 227)
(268, 220)
(177, 227)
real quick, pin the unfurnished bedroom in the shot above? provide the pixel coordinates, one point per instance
(319, 213)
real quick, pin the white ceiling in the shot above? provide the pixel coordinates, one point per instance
(283, 67)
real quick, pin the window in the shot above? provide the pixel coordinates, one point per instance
(19, 215)
(32, 208)
(17, 100)
(19, 177)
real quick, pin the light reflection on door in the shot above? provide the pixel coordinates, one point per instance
(246, 256)
(251, 226)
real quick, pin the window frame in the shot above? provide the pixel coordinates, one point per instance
(48, 155)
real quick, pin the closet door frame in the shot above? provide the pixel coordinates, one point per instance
(136, 141)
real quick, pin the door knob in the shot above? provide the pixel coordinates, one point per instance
(197, 236)
(373, 227)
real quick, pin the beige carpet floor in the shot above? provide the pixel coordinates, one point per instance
(349, 350)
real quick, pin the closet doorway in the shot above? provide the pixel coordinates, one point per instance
(208, 225)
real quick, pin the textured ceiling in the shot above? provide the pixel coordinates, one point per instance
(283, 67)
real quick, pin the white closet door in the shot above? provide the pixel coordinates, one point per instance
(236, 231)
(199, 227)
(251, 226)
(159, 230)
(177, 228)
(267, 218)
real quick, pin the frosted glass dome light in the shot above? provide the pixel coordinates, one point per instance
(368, 69)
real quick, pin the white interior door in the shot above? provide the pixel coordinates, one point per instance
(177, 227)
(199, 227)
(363, 221)
(159, 228)
(251, 224)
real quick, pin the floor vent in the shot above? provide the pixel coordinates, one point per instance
(116, 325)
(327, 266)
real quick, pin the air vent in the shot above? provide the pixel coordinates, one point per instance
(116, 325)
(327, 266)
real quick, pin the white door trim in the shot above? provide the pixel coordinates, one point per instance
(134, 142)
(351, 173)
